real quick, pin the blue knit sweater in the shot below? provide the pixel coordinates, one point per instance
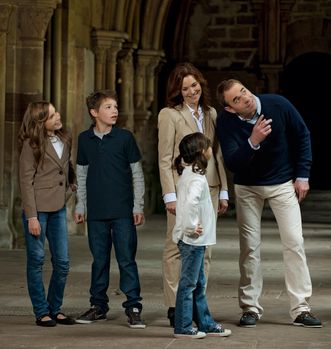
(284, 155)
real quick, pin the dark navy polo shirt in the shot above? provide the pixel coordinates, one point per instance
(109, 185)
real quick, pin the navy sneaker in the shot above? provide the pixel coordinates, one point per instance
(249, 319)
(219, 331)
(306, 319)
(134, 318)
(192, 334)
(93, 314)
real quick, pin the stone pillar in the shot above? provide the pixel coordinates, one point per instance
(5, 230)
(272, 17)
(147, 61)
(125, 83)
(106, 45)
(24, 83)
(145, 125)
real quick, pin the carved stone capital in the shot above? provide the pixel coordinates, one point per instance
(33, 20)
(5, 12)
(108, 39)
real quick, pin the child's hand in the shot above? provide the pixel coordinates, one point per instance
(79, 218)
(198, 230)
(138, 218)
(73, 187)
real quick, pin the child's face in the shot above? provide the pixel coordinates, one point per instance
(107, 114)
(208, 153)
(53, 122)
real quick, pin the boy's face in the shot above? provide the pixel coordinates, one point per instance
(107, 114)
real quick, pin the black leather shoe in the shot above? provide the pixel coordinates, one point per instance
(171, 316)
(45, 323)
(67, 320)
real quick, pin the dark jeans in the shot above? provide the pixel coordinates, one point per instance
(102, 235)
(191, 301)
(54, 228)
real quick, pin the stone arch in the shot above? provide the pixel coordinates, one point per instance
(307, 35)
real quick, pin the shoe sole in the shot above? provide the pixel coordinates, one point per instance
(307, 326)
(248, 326)
(137, 326)
(190, 336)
(87, 322)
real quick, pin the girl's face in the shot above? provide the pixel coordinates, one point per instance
(207, 153)
(53, 123)
(191, 91)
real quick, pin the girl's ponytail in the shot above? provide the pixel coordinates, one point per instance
(178, 164)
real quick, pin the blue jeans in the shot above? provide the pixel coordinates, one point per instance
(191, 301)
(102, 235)
(54, 228)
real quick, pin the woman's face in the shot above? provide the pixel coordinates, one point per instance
(191, 91)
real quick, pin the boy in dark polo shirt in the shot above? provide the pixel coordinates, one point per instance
(110, 196)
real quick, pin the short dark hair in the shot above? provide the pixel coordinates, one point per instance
(94, 100)
(222, 87)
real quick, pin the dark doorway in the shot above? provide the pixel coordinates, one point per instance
(305, 84)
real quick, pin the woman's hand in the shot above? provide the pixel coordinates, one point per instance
(171, 207)
(223, 206)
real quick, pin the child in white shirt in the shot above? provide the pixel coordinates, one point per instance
(195, 229)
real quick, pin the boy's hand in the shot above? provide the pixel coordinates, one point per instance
(79, 218)
(198, 230)
(138, 218)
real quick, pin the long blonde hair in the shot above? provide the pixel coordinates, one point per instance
(33, 129)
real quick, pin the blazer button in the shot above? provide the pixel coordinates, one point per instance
(60, 183)
(61, 172)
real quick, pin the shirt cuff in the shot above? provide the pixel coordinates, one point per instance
(169, 197)
(255, 147)
(224, 195)
(302, 179)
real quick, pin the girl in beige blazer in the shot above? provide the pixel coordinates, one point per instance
(45, 175)
(188, 111)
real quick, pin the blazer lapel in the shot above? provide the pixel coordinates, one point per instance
(53, 155)
(187, 115)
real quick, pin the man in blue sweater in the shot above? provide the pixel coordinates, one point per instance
(266, 145)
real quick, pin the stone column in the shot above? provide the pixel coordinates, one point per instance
(24, 83)
(272, 16)
(145, 122)
(106, 45)
(5, 230)
(125, 83)
(147, 61)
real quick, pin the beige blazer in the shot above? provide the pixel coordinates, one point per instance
(173, 125)
(44, 187)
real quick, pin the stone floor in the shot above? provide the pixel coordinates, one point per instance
(274, 330)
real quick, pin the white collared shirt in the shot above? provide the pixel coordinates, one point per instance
(199, 119)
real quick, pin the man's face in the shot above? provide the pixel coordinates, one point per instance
(239, 100)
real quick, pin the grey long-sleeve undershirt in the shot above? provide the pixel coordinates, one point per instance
(138, 188)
